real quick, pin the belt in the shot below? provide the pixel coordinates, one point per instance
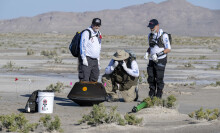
(92, 58)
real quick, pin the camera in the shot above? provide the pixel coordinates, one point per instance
(120, 62)
(152, 43)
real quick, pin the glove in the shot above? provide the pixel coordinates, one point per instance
(146, 56)
(99, 65)
(154, 57)
(114, 65)
(124, 66)
(85, 62)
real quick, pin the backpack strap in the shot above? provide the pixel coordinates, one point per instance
(169, 37)
(90, 34)
(161, 38)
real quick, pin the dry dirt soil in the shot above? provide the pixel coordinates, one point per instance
(192, 71)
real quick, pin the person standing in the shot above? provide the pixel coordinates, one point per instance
(159, 47)
(90, 48)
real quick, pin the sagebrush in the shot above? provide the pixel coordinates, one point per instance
(155, 101)
(17, 123)
(58, 87)
(208, 114)
(50, 124)
(100, 115)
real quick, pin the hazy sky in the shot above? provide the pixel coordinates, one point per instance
(27, 8)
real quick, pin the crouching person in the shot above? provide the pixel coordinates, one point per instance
(121, 74)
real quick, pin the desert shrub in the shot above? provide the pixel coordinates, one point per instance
(171, 101)
(97, 116)
(64, 51)
(140, 79)
(143, 77)
(155, 101)
(17, 123)
(149, 102)
(193, 84)
(132, 119)
(56, 88)
(51, 125)
(218, 66)
(191, 115)
(202, 57)
(49, 54)
(188, 65)
(30, 51)
(208, 114)
(145, 74)
(113, 115)
(57, 60)
(9, 65)
(192, 58)
(217, 83)
(199, 114)
(100, 115)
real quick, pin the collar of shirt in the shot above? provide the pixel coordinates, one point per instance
(158, 34)
(94, 33)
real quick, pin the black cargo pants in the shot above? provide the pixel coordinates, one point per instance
(90, 72)
(155, 77)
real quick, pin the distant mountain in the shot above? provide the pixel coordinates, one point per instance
(178, 17)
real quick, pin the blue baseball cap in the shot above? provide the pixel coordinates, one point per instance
(152, 23)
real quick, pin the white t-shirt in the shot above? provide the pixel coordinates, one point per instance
(90, 47)
(156, 49)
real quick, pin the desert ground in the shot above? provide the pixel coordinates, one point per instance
(192, 73)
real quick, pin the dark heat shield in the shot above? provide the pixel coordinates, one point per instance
(87, 94)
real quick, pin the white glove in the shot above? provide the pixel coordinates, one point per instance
(154, 57)
(124, 66)
(146, 56)
(99, 65)
(114, 65)
(85, 62)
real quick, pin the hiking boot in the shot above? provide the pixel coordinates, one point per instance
(159, 93)
(111, 99)
(151, 93)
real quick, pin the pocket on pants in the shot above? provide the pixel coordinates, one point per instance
(161, 67)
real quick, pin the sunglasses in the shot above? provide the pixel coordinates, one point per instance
(97, 25)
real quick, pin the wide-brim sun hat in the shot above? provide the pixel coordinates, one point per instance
(120, 55)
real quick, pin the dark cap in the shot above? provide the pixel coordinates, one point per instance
(152, 23)
(96, 21)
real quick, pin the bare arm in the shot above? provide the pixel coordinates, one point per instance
(166, 51)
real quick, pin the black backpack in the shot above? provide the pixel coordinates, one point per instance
(169, 35)
(31, 103)
(74, 46)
